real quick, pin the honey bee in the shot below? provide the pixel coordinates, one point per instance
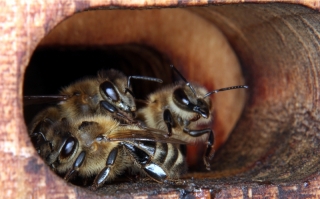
(184, 111)
(99, 146)
(109, 93)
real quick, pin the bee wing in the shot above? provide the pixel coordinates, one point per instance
(42, 99)
(142, 135)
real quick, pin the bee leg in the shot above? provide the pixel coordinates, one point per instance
(208, 155)
(112, 109)
(154, 171)
(209, 151)
(167, 117)
(76, 165)
(109, 107)
(104, 173)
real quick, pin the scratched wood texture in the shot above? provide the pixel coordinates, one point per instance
(277, 45)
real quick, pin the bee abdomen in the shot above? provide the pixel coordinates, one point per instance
(170, 157)
(167, 156)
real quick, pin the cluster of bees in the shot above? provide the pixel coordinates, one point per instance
(96, 130)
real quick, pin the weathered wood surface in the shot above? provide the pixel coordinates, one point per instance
(23, 175)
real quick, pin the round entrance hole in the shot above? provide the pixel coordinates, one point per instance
(74, 49)
(275, 140)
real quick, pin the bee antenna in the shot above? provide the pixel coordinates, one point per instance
(184, 79)
(224, 89)
(153, 79)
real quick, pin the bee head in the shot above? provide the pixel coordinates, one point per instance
(112, 94)
(185, 99)
(63, 146)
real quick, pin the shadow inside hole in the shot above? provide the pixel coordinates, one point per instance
(52, 68)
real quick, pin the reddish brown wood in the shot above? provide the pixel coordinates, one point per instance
(276, 93)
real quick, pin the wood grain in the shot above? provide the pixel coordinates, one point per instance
(274, 150)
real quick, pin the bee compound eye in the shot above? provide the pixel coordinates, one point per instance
(109, 90)
(68, 147)
(181, 97)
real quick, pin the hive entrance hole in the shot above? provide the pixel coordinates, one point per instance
(63, 50)
(276, 139)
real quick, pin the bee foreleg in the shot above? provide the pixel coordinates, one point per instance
(196, 133)
(154, 171)
(107, 106)
(209, 151)
(208, 155)
(104, 173)
(112, 109)
(76, 165)
(167, 117)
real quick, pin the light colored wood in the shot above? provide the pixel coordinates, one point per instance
(23, 174)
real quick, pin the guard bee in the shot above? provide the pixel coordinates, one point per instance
(109, 93)
(184, 111)
(99, 146)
